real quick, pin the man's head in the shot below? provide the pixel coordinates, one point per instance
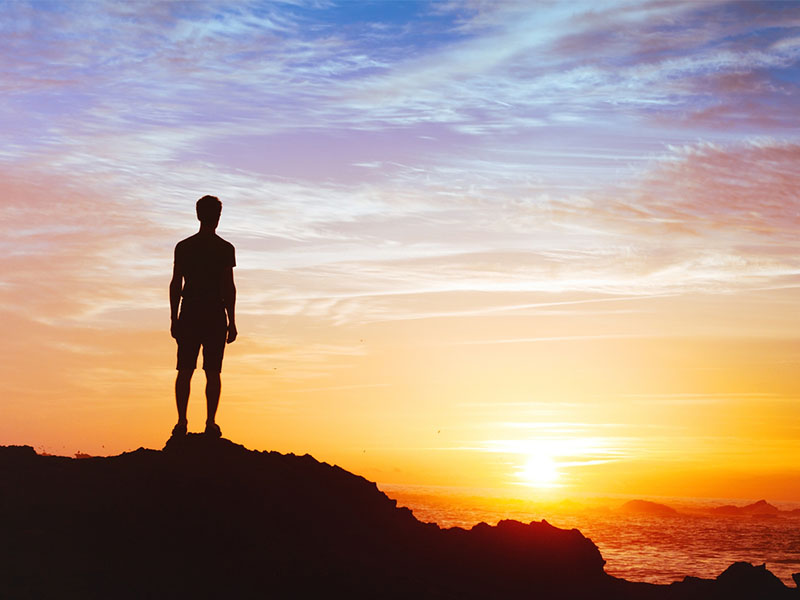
(208, 210)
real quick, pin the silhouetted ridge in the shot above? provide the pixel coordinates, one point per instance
(646, 507)
(761, 508)
(209, 518)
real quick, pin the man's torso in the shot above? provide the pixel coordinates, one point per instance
(204, 261)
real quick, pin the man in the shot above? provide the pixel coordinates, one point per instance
(203, 276)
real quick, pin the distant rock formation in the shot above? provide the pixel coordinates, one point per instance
(645, 507)
(758, 509)
(211, 519)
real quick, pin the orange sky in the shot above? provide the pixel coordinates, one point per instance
(457, 265)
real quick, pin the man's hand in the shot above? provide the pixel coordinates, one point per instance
(173, 328)
(232, 333)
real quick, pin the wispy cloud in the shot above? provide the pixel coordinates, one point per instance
(697, 399)
(562, 338)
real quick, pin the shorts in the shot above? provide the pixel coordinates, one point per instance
(208, 329)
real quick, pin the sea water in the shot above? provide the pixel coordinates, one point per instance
(650, 548)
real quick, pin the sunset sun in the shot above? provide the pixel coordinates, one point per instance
(540, 471)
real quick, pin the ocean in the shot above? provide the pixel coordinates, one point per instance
(651, 548)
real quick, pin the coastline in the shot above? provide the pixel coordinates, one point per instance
(635, 547)
(246, 523)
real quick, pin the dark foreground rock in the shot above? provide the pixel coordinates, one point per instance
(740, 580)
(212, 519)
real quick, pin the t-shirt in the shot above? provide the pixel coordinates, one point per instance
(204, 260)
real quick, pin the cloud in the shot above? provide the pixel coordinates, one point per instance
(699, 217)
(563, 338)
(748, 188)
(500, 158)
(698, 399)
(260, 69)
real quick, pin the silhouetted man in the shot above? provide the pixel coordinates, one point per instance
(203, 276)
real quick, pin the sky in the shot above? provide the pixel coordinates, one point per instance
(549, 248)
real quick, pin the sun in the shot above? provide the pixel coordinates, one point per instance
(539, 470)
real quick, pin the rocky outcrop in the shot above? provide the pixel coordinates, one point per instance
(761, 508)
(645, 507)
(212, 519)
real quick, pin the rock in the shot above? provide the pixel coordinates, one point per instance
(645, 507)
(760, 508)
(210, 518)
(752, 581)
(207, 518)
(740, 581)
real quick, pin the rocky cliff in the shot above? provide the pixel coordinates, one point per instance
(211, 519)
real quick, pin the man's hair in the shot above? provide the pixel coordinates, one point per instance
(209, 209)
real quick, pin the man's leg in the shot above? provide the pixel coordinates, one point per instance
(213, 386)
(213, 351)
(183, 384)
(188, 348)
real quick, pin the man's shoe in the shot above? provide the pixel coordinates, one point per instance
(213, 430)
(179, 430)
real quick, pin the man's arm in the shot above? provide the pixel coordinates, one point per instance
(229, 297)
(175, 289)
